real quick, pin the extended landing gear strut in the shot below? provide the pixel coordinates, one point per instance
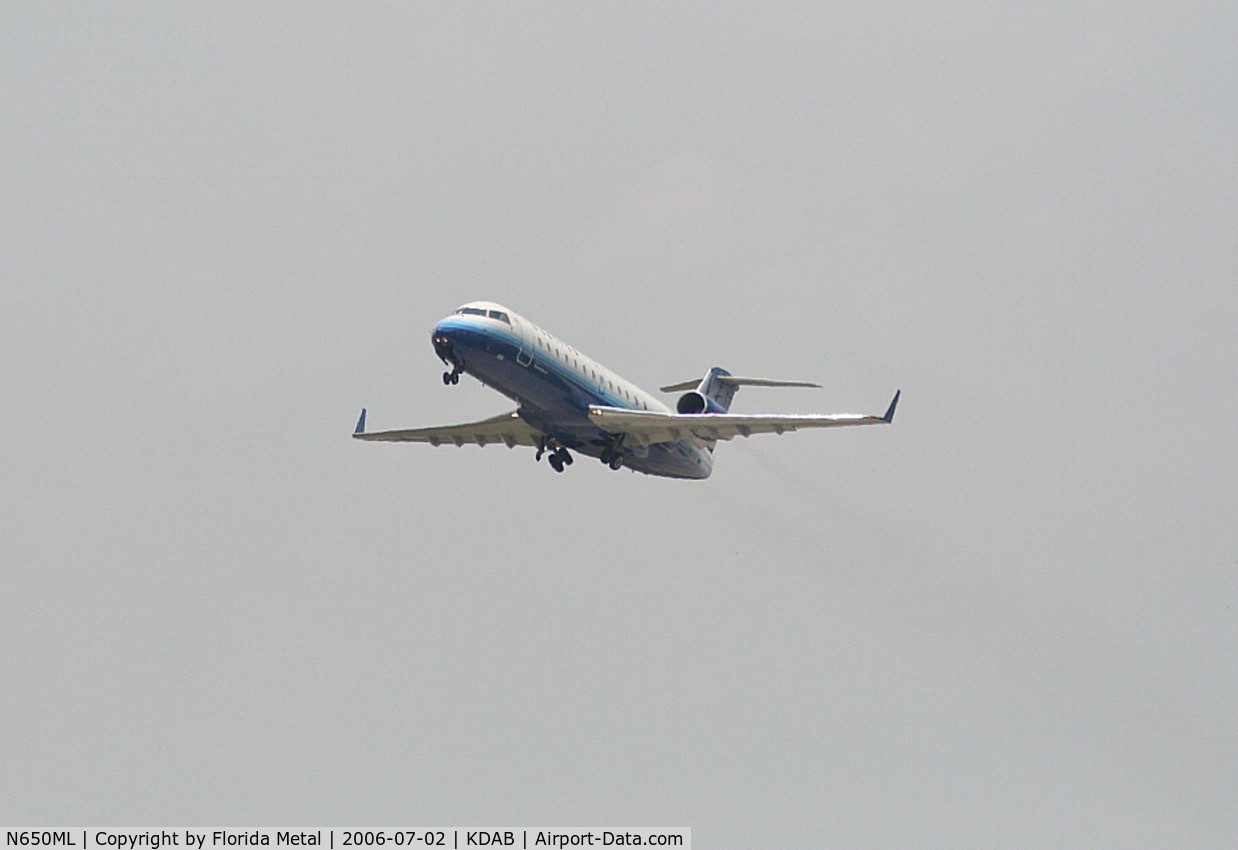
(443, 348)
(559, 456)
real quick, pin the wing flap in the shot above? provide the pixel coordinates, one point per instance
(506, 428)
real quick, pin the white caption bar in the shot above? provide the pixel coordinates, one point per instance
(198, 838)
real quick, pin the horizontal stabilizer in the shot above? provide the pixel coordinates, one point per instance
(763, 382)
(738, 382)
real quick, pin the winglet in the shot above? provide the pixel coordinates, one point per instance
(889, 417)
(360, 423)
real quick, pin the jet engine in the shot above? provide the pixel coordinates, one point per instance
(695, 402)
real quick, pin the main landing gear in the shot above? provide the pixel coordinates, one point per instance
(612, 458)
(612, 455)
(559, 456)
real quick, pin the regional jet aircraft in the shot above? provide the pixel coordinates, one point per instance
(566, 402)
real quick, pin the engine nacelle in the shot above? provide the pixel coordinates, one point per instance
(695, 402)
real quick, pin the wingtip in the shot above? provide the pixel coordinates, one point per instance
(360, 429)
(889, 417)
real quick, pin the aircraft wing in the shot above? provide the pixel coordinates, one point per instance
(506, 428)
(643, 427)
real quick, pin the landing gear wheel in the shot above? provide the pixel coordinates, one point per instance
(616, 460)
(446, 379)
(565, 456)
(606, 455)
(556, 462)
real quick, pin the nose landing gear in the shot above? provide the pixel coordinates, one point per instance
(443, 348)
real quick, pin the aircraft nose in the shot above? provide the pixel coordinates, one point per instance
(442, 342)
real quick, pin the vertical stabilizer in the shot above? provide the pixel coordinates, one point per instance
(718, 391)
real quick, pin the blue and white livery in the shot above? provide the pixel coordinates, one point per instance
(566, 402)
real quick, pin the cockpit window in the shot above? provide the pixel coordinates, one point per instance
(478, 311)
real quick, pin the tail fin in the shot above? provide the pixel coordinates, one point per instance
(715, 392)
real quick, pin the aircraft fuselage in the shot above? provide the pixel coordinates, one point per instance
(554, 385)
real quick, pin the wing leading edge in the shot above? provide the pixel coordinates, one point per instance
(506, 428)
(642, 427)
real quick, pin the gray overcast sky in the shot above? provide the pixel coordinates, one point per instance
(1011, 619)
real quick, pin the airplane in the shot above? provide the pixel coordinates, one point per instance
(567, 402)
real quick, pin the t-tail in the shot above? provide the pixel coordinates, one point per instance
(717, 389)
